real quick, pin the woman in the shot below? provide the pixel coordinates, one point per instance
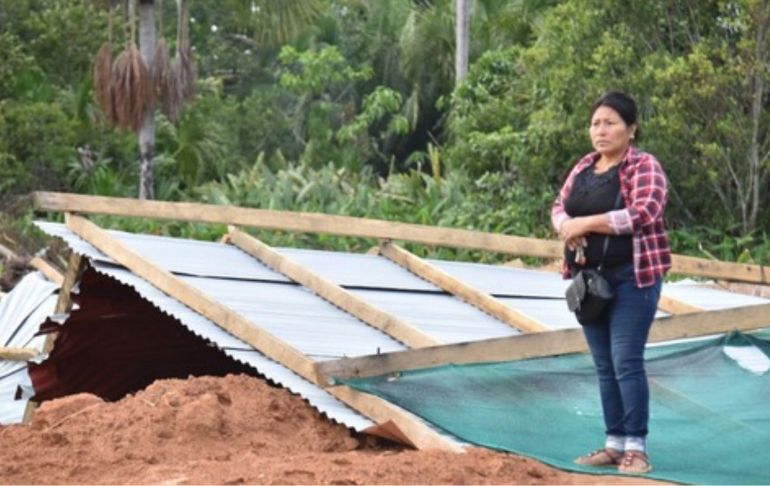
(586, 212)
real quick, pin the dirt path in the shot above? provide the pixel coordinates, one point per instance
(233, 430)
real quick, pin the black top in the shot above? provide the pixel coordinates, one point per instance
(594, 193)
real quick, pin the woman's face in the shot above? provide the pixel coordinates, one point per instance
(610, 136)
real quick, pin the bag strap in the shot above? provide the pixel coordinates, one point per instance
(607, 237)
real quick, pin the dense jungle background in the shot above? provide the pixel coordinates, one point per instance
(353, 107)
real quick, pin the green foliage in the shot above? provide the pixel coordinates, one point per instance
(486, 204)
(317, 72)
(35, 143)
(15, 61)
(60, 35)
(707, 242)
(200, 147)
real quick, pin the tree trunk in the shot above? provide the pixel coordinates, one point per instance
(147, 40)
(462, 39)
(756, 173)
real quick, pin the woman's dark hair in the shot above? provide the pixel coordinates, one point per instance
(622, 103)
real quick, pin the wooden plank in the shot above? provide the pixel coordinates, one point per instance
(381, 411)
(48, 270)
(328, 290)
(17, 354)
(298, 221)
(76, 264)
(675, 306)
(419, 433)
(460, 289)
(687, 265)
(362, 228)
(542, 344)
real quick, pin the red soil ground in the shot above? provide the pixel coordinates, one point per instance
(233, 430)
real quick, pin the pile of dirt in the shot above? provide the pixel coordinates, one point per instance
(233, 430)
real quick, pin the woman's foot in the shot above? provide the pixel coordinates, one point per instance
(601, 458)
(635, 462)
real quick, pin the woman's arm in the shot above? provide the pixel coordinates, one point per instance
(558, 214)
(648, 195)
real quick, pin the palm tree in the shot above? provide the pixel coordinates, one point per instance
(128, 88)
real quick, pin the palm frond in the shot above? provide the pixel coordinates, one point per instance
(132, 88)
(102, 74)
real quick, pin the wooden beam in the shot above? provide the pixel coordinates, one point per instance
(460, 289)
(542, 344)
(298, 221)
(675, 306)
(328, 290)
(418, 432)
(76, 264)
(17, 354)
(382, 412)
(362, 228)
(48, 270)
(688, 265)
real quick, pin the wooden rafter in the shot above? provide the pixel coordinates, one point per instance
(17, 354)
(363, 228)
(676, 306)
(460, 289)
(421, 435)
(297, 221)
(330, 291)
(48, 270)
(540, 344)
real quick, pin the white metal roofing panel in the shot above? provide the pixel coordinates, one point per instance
(506, 281)
(298, 317)
(709, 298)
(443, 317)
(358, 270)
(22, 311)
(11, 377)
(178, 255)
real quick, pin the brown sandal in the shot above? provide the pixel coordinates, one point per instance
(601, 458)
(635, 462)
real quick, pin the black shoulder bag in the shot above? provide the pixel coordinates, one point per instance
(589, 293)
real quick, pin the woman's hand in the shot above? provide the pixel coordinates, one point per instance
(574, 239)
(572, 230)
(575, 243)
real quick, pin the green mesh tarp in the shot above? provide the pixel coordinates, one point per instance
(710, 417)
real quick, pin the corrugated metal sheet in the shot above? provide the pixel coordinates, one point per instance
(709, 298)
(180, 256)
(21, 313)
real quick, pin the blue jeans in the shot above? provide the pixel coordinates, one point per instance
(617, 341)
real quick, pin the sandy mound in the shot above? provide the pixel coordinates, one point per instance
(232, 430)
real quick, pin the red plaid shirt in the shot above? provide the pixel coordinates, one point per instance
(644, 188)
